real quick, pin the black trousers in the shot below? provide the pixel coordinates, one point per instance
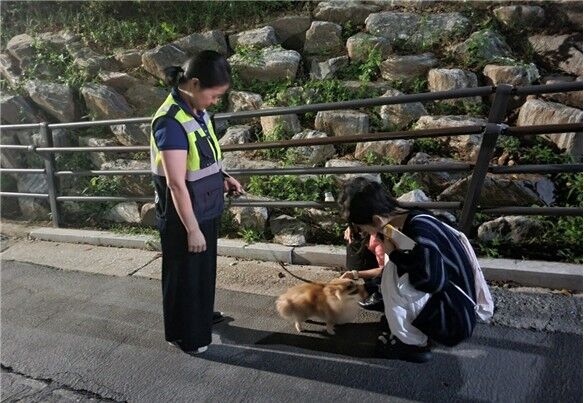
(188, 284)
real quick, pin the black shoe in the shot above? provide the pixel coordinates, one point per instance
(218, 317)
(374, 302)
(390, 347)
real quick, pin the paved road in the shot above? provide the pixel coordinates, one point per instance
(99, 337)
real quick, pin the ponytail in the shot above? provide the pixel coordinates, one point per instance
(173, 76)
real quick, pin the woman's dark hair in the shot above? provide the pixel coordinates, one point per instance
(361, 199)
(209, 67)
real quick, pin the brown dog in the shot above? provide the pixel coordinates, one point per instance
(334, 302)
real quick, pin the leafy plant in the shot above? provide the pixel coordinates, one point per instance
(250, 235)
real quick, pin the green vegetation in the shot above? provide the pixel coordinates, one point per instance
(287, 187)
(250, 235)
(431, 146)
(132, 24)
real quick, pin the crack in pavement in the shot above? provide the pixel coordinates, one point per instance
(53, 385)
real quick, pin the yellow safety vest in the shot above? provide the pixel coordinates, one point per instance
(194, 134)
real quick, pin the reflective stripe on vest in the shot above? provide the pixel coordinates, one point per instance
(192, 130)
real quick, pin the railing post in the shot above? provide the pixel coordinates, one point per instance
(488, 144)
(50, 170)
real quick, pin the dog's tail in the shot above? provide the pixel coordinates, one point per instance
(284, 306)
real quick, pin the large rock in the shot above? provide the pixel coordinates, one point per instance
(559, 51)
(434, 182)
(399, 116)
(291, 30)
(407, 68)
(311, 154)
(466, 146)
(254, 218)
(572, 98)
(218, 38)
(22, 49)
(416, 29)
(104, 102)
(10, 158)
(33, 208)
(16, 110)
(521, 17)
(9, 70)
(239, 134)
(10, 208)
(452, 79)
(194, 44)
(132, 134)
(154, 61)
(129, 59)
(342, 122)
(61, 138)
(538, 112)
(99, 158)
(55, 99)
(126, 212)
(269, 64)
(360, 45)
(506, 190)
(239, 160)
(89, 60)
(327, 69)
(132, 185)
(323, 38)
(512, 75)
(396, 150)
(58, 41)
(258, 38)
(244, 101)
(148, 214)
(483, 47)
(343, 178)
(288, 230)
(145, 99)
(286, 125)
(342, 12)
(515, 229)
(119, 81)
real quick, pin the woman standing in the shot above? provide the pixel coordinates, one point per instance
(189, 184)
(430, 292)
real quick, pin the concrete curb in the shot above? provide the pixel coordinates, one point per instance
(529, 273)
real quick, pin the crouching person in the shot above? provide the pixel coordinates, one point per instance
(431, 291)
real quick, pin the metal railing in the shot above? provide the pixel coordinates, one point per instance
(478, 170)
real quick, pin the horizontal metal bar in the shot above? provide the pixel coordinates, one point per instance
(16, 147)
(121, 149)
(552, 211)
(548, 88)
(21, 171)
(94, 123)
(105, 198)
(24, 126)
(538, 169)
(454, 167)
(369, 137)
(310, 204)
(543, 129)
(135, 172)
(33, 195)
(361, 103)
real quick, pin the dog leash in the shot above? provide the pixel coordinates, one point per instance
(230, 197)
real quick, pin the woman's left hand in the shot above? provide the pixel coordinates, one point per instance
(232, 186)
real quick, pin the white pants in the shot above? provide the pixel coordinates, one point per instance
(402, 303)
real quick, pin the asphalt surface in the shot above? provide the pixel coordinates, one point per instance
(92, 337)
